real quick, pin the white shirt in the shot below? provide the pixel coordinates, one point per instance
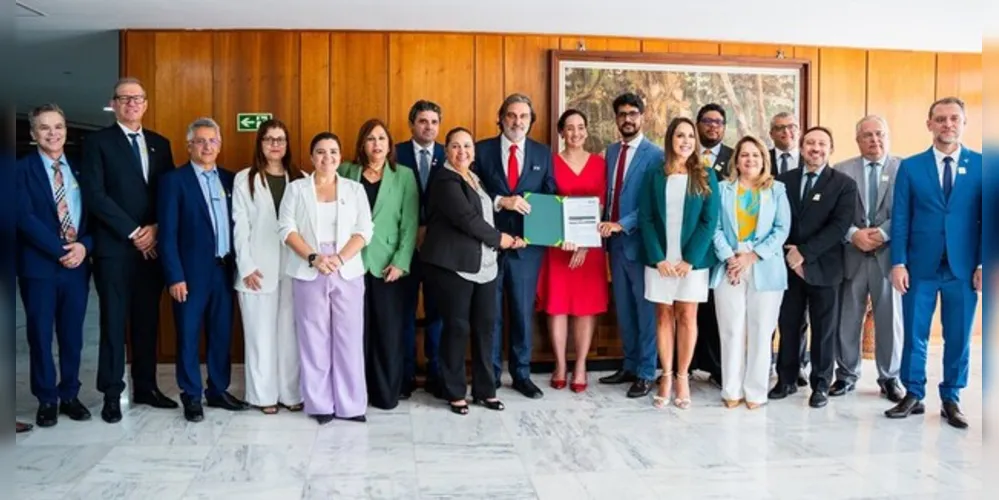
(143, 150)
(940, 155)
(326, 227)
(792, 162)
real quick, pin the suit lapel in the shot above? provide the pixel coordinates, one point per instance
(193, 184)
(860, 174)
(636, 162)
(816, 190)
(125, 145)
(794, 192)
(960, 179)
(887, 176)
(389, 178)
(729, 196)
(42, 179)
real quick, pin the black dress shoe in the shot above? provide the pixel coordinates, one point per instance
(952, 412)
(227, 402)
(22, 427)
(619, 377)
(193, 410)
(908, 406)
(47, 416)
(802, 379)
(360, 418)
(818, 399)
(75, 410)
(640, 388)
(111, 411)
(528, 389)
(154, 398)
(892, 390)
(495, 404)
(841, 387)
(781, 391)
(323, 419)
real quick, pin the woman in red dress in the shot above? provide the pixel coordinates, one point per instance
(573, 280)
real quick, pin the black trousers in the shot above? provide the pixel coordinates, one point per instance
(129, 289)
(383, 347)
(468, 310)
(707, 349)
(822, 303)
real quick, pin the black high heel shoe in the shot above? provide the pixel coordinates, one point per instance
(492, 405)
(459, 409)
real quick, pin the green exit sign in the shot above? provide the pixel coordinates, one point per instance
(250, 122)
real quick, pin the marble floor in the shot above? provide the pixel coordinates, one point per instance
(594, 445)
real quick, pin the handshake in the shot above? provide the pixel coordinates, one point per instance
(508, 242)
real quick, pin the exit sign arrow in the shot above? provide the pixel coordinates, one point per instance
(250, 122)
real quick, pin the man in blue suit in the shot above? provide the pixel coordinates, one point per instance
(510, 166)
(195, 246)
(937, 249)
(425, 156)
(53, 270)
(627, 162)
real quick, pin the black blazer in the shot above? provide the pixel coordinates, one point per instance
(456, 228)
(723, 162)
(117, 196)
(820, 222)
(775, 167)
(405, 155)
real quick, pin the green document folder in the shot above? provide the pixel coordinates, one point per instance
(543, 226)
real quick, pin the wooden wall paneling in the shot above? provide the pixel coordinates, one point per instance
(961, 75)
(255, 71)
(755, 49)
(842, 96)
(593, 44)
(811, 54)
(489, 83)
(525, 68)
(358, 82)
(314, 93)
(688, 47)
(900, 87)
(624, 45)
(138, 60)
(418, 70)
(183, 83)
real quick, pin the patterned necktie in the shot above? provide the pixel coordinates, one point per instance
(512, 169)
(872, 193)
(707, 160)
(424, 168)
(948, 181)
(808, 184)
(66, 230)
(783, 162)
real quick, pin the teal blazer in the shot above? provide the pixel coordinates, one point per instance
(395, 215)
(700, 220)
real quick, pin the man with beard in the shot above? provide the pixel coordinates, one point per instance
(711, 122)
(509, 166)
(785, 156)
(627, 162)
(937, 250)
(823, 202)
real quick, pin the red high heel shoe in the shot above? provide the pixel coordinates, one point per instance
(577, 388)
(558, 385)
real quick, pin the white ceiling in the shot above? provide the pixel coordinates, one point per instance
(69, 52)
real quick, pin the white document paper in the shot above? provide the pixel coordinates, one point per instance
(580, 217)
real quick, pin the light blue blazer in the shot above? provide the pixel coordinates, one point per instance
(773, 225)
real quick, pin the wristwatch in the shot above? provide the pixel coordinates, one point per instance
(312, 258)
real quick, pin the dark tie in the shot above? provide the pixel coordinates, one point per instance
(783, 162)
(872, 193)
(618, 184)
(948, 181)
(135, 147)
(424, 168)
(808, 184)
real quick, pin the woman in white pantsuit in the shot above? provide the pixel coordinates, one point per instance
(677, 217)
(750, 280)
(265, 300)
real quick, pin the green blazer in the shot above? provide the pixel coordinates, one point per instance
(395, 215)
(700, 219)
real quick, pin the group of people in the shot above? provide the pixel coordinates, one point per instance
(711, 249)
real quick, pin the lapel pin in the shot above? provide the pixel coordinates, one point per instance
(817, 197)
(962, 170)
(535, 168)
(884, 178)
(152, 150)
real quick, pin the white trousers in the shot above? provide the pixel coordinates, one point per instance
(746, 320)
(272, 366)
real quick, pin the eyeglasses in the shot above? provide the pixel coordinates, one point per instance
(275, 141)
(871, 135)
(207, 142)
(789, 127)
(633, 114)
(125, 99)
(715, 122)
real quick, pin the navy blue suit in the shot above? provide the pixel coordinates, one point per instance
(405, 154)
(518, 269)
(53, 295)
(939, 241)
(187, 250)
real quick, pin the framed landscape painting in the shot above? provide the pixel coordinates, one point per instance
(751, 89)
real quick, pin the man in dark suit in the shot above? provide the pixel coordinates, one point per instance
(195, 246)
(823, 202)
(52, 266)
(509, 166)
(425, 156)
(711, 121)
(785, 156)
(119, 176)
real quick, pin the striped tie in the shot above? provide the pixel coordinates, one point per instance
(66, 230)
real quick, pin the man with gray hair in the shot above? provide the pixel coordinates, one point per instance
(867, 257)
(195, 246)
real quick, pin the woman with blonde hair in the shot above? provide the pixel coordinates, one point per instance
(677, 217)
(750, 279)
